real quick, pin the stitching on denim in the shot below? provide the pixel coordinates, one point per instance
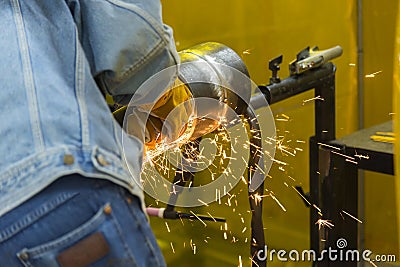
(35, 215)
(109, 169)
(17, 177)
(116, 130)
(80, 91)
(132, 178)
(140, 227)
(28, 76)
(118, 140)
(119, 231)
(23, 166)
(24, 262)
(79, 232)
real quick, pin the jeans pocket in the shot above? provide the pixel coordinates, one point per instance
(97, 242)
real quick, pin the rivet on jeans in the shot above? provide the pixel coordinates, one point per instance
(23, 255)
(107, 209)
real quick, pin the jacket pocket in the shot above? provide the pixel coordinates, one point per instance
(86, 245)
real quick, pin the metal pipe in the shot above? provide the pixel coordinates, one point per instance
(360, 65)
(292, 85)
(360, 90)
(296, 84)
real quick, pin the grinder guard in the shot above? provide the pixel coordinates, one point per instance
(210, 56)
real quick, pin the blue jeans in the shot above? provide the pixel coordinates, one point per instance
(78, 221)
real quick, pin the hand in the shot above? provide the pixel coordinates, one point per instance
(170, 120)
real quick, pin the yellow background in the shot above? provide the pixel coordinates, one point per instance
(260, 30)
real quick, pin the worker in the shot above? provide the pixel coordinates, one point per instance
(67, 197)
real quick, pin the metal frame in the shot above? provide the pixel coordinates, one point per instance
(329, 183)
(326, 183)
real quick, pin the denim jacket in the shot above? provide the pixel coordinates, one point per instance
(58, 59)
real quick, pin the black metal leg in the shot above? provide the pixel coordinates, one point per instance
(339, 202)
(314, 196)
(257, 228)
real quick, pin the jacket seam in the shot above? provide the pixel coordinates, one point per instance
(80, 92)
(28, 76)
(118, 176)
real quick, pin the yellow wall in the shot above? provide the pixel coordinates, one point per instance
(263, 30)
(379, 25)
(396, 104)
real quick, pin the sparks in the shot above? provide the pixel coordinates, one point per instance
(271, 194)
(281, 119)
(254, 262)
(205, 225)
(323, 223)
(305, 199)
(351, 216)
(361, 156)
(343, 155)
(279, 162)
(317, 208)
(193, 246)
(313, 99)
(322, 144)
(247, 51)
(352, 161)
(209, 214)
(202, 202)
(166, 225)
(372, 75)
(257, 198)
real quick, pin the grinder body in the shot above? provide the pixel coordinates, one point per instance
(206, 72)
